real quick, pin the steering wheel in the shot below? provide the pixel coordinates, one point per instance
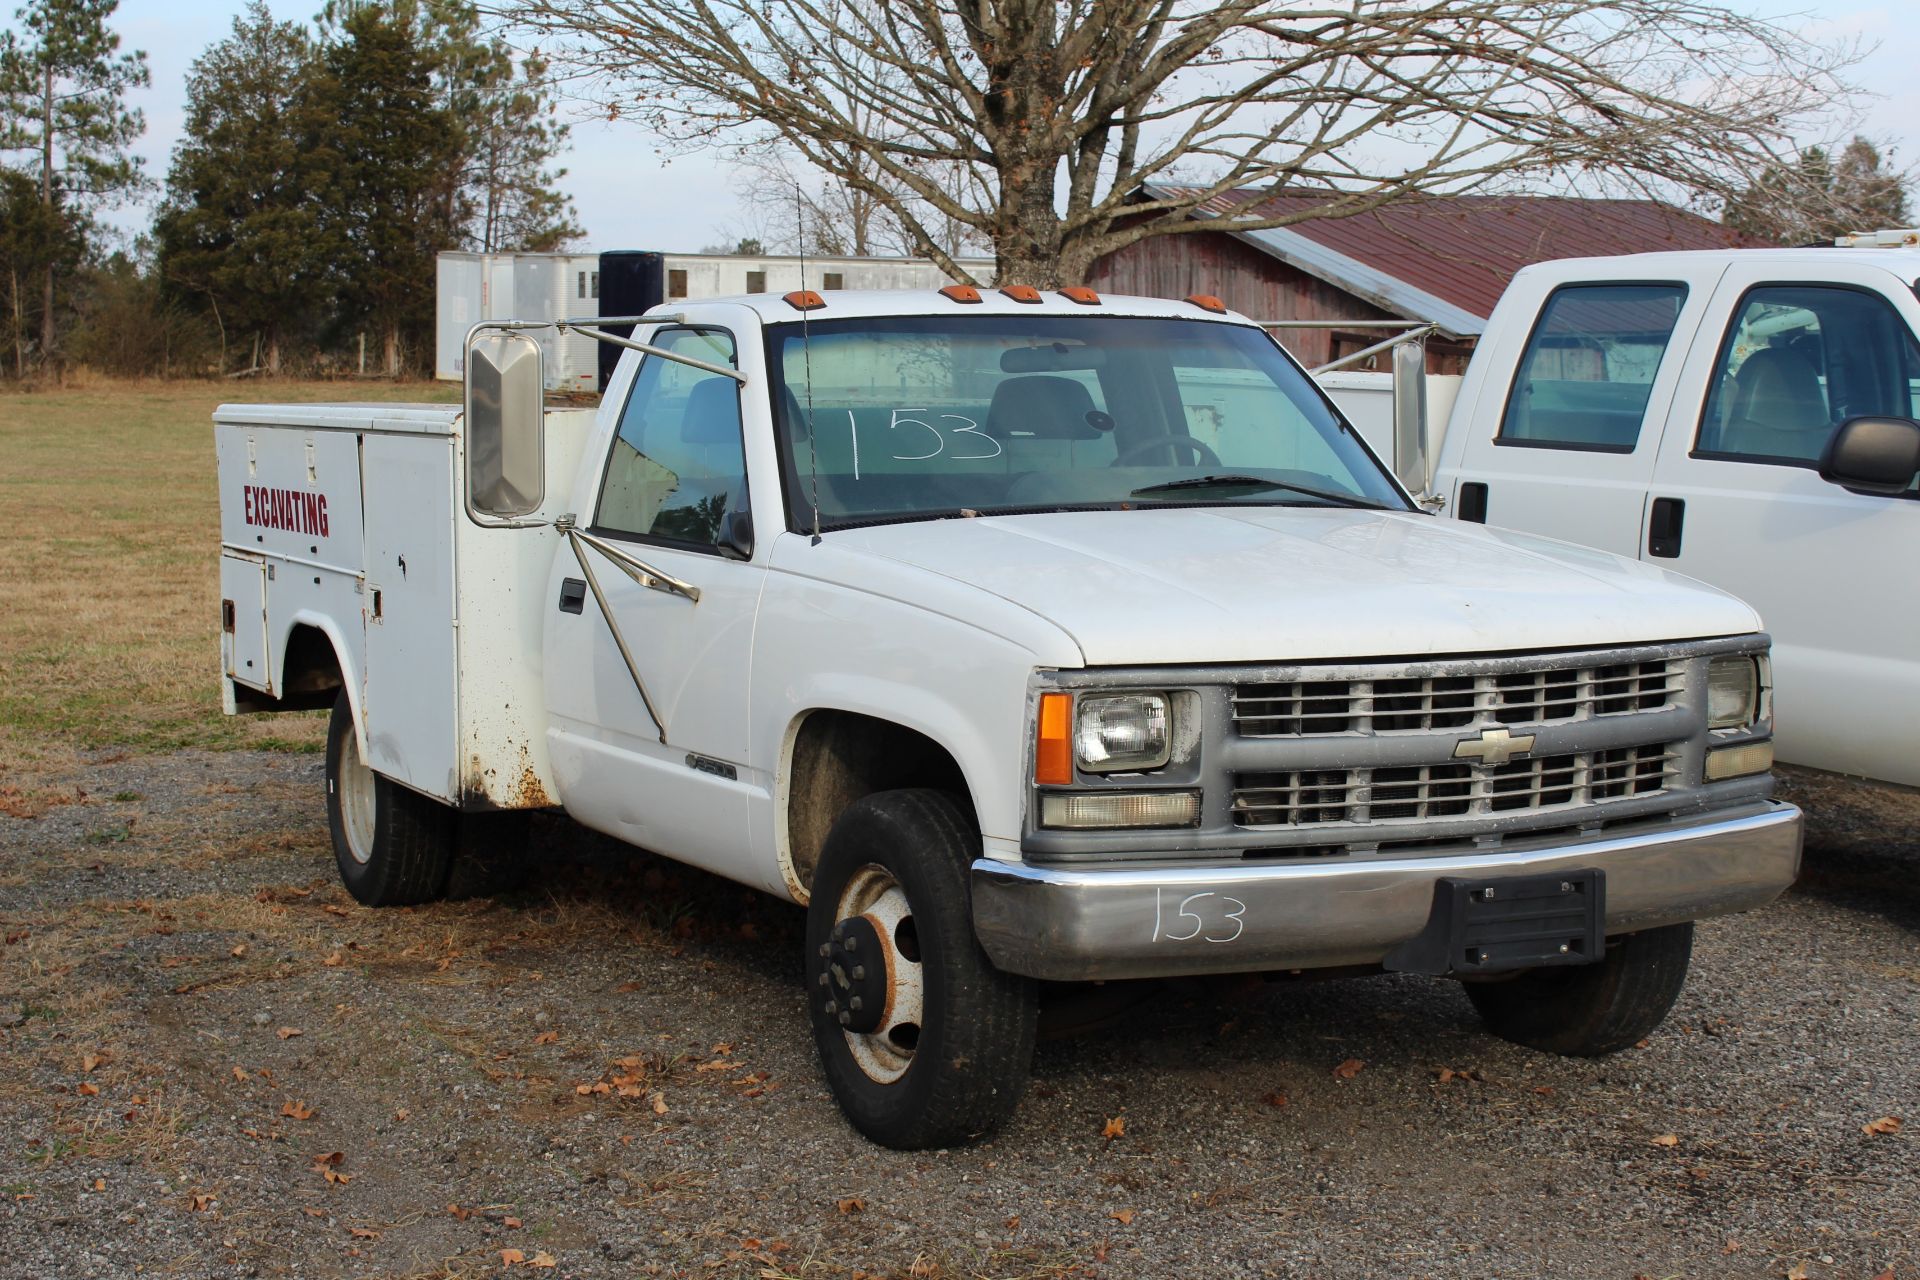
(1202, 454)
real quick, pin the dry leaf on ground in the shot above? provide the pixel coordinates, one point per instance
(1122, 1216)
(298, 1110)
(1667, 1140)
(1349, 1069)
(852, 1204)
(547, 1037)
(363, 1233)
(510, 1256)
(288, 1033)
(1116, 1127)
(1883, 1127)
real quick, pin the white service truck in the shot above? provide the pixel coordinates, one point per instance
(1023, 637)
(1749, 417)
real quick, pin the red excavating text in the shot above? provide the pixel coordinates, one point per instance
(288, 509)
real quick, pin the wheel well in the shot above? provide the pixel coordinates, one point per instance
(310, 677)
(840, 756)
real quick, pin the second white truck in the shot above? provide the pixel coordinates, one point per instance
(1023, 637)
(1749, 417)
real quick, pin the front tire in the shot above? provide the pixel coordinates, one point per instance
(924, 1043)
(393, 846)
(1585, 1011)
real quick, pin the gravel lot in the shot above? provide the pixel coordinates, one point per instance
(194, 1018)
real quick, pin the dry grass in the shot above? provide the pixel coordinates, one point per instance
(108, 589)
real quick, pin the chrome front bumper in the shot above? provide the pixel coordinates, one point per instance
(1075, 923)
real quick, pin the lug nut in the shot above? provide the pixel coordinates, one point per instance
(833, 1006)
(826, 949)
(854, 1004)
(853, 944)
(859, 972)
(845, 1018)
(823, 979)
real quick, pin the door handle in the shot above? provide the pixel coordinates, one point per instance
(1473, 502)
(1664, 525)
(573, 595)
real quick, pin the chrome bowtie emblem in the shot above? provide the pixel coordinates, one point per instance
(1493, 747)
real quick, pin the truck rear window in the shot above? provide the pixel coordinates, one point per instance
(922, 416)
(1589, 367)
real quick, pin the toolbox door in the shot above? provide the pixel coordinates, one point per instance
(243, 621)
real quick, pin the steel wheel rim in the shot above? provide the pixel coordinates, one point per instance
(885, 1053)
(353, 780)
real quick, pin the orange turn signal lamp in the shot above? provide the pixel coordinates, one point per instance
(960, 293)
(1207, 302)
(1053, 745)
(1022, 292)
(1081, 294)
(805, 300)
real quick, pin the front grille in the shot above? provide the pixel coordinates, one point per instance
(1415, 793)
(1400, 704)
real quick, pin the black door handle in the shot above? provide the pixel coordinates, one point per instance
(573, 595)
(1473, 502)
(1663, 527)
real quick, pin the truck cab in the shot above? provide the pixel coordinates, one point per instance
(1021, 638)
(1746, 417)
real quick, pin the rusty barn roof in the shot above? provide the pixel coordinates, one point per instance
(1448, 258)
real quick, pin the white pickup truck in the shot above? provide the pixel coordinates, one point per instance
(1747, 417)
(1022, 637)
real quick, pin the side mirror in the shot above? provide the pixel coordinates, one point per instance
(736, 535)
(506, 423)
(1873, 455)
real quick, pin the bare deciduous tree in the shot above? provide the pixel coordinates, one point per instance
(1084, 126)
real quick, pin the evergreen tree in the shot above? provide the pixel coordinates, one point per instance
(35, 238)
(389, 155)
(241, 227)
(511, 139)
(1814, 198)
(63, 84)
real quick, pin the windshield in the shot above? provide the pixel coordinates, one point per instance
(897, 418)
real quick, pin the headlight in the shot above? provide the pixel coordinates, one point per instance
(1733, 693)
(1121, 731)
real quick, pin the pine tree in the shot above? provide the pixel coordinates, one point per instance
(511, 140)
(388, 155)
(63, 86)
(241, 228)
(1815, 198)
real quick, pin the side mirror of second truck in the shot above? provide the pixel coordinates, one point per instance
(1873, 455)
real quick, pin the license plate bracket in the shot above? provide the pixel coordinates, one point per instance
(1513, 922)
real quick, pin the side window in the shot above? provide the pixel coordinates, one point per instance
(1798, 361)
(677, 465)
(1589, 366)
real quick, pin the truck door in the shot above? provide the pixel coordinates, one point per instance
(666, 769)
(1739, 503)
(1564, 448)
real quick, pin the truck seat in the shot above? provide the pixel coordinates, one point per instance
(1777, 408)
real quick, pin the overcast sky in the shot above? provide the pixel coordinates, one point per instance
(629, 198)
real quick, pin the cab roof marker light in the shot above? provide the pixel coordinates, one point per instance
(1207, 302)
(960, 293)
(1022, 293)
(1081, 294)
(1053, 744)
(804, 300)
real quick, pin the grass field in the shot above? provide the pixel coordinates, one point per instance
(108, 582)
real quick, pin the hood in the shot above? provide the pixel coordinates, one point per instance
(1273, 584)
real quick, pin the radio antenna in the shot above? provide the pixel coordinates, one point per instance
(806, 356)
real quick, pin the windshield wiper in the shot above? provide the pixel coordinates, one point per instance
(1231, 480)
